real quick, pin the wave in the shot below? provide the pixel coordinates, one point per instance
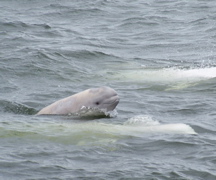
(16, 108)
(14, 25)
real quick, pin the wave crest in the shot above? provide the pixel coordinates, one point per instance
(141, 120)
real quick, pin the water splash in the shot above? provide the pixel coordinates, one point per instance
(94, 112)
(142, 120)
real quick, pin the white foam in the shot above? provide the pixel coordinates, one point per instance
(87, 111)
(142, 120)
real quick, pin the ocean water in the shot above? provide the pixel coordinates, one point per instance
(160, 57)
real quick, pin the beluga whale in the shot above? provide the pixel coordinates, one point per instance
(104, 99)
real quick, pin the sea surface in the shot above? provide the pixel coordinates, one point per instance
(160, 57)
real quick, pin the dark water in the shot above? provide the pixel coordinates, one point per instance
(158, 55)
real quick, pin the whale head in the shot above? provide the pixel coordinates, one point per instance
(104, 98)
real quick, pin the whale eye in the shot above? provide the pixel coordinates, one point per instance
(97, 103)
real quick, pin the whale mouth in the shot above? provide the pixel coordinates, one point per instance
(112, 103)
(115, 99)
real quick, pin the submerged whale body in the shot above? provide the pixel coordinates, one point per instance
(102, 98)
(166, 75)
(143, 123)
(173, 78)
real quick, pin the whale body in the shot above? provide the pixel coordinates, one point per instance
(102, 98)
